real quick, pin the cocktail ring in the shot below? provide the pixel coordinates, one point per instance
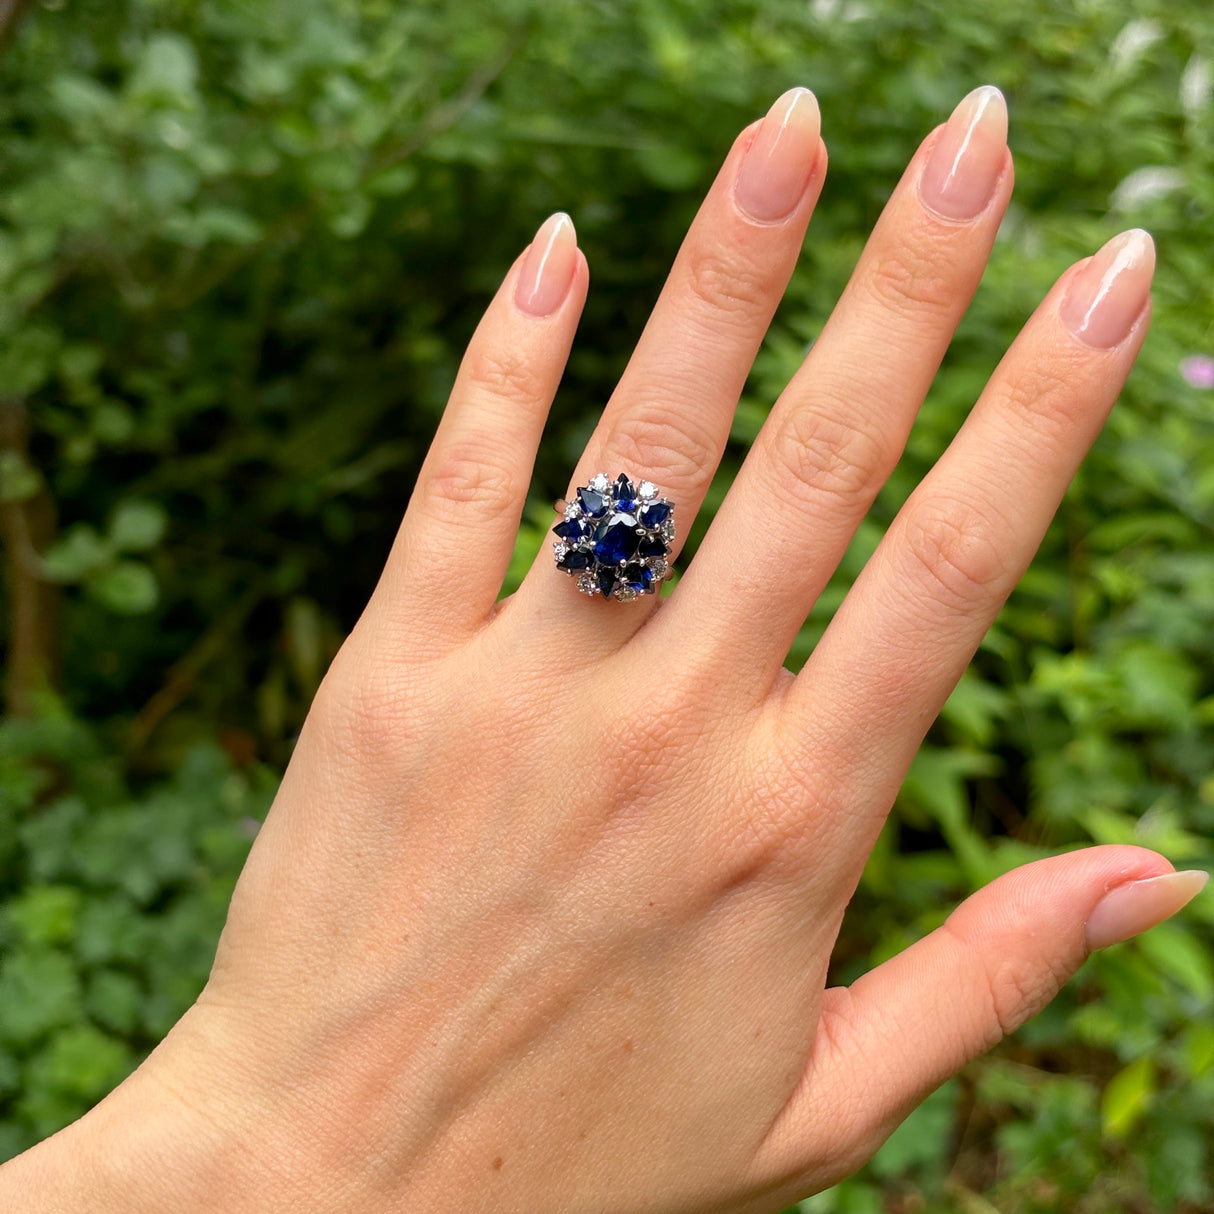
(615, 538)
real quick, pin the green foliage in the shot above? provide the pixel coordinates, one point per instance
(112, 902)
(241, 249)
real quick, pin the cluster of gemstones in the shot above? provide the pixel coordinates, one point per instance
(615, 538)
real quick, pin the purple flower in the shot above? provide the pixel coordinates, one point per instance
(1198, 370)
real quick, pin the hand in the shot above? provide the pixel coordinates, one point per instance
(541, 918)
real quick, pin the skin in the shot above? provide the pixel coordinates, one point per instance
(541, 917)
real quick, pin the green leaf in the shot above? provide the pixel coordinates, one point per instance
(39, 992)
(353, 219)
(115, 1000)
(112, 423)
(126, 587)
(671, 166)
(976, 707)
(1126, 1097)
(28, 356)
(45, 914)
(10, 1075)
(167, 70)
(1199, 1049)
(81, 1061)
(80, 362)
(137, 526)
(79, 552)
(1176, 951)
(1159, 683)
(923, 1139)
(80, 96)
(213, 224)
(18, 480)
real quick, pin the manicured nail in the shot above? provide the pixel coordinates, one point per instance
(1132, 908)
(1107, 295)
(963, 170)
(547, 270)
(779, 162)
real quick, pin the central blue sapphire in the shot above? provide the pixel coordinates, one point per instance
(616, 540)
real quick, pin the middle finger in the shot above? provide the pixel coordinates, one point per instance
(668, 420)
(839, 427)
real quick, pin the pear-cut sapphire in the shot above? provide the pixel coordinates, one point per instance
(638, 579)
(625, 494)
(606, 582)
(593, 503)
(575, 558)
(616, 539)
(570, 529)
(652, 545)
(655, 514)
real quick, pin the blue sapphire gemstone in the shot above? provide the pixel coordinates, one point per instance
(625, 494)
(570, 529)
(652, 545)
(606, 582)
(616, 539)
(638, 578)
(575, 558)
(593, 503)
(655, 514)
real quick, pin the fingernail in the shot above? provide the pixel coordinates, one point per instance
(1107, 295)
(964, 167)
(547, 270)
(1132, 908)
(779, 161)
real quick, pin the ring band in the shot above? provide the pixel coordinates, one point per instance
(615, 538)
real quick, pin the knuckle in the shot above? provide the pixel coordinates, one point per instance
(757, 848)
(952, 547)
(721, 282)
(906, 280)
(815, 454)
(789, 806)
(1047, 402)
(364, 707)
(1016, 988)
(640, 760)
(470, 473)
(674, 450)
(508, 374)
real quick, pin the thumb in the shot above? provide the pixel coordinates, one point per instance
(885, 1042)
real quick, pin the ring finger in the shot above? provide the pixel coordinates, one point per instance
(669, 418)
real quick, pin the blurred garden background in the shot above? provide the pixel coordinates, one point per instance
(241, 248)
